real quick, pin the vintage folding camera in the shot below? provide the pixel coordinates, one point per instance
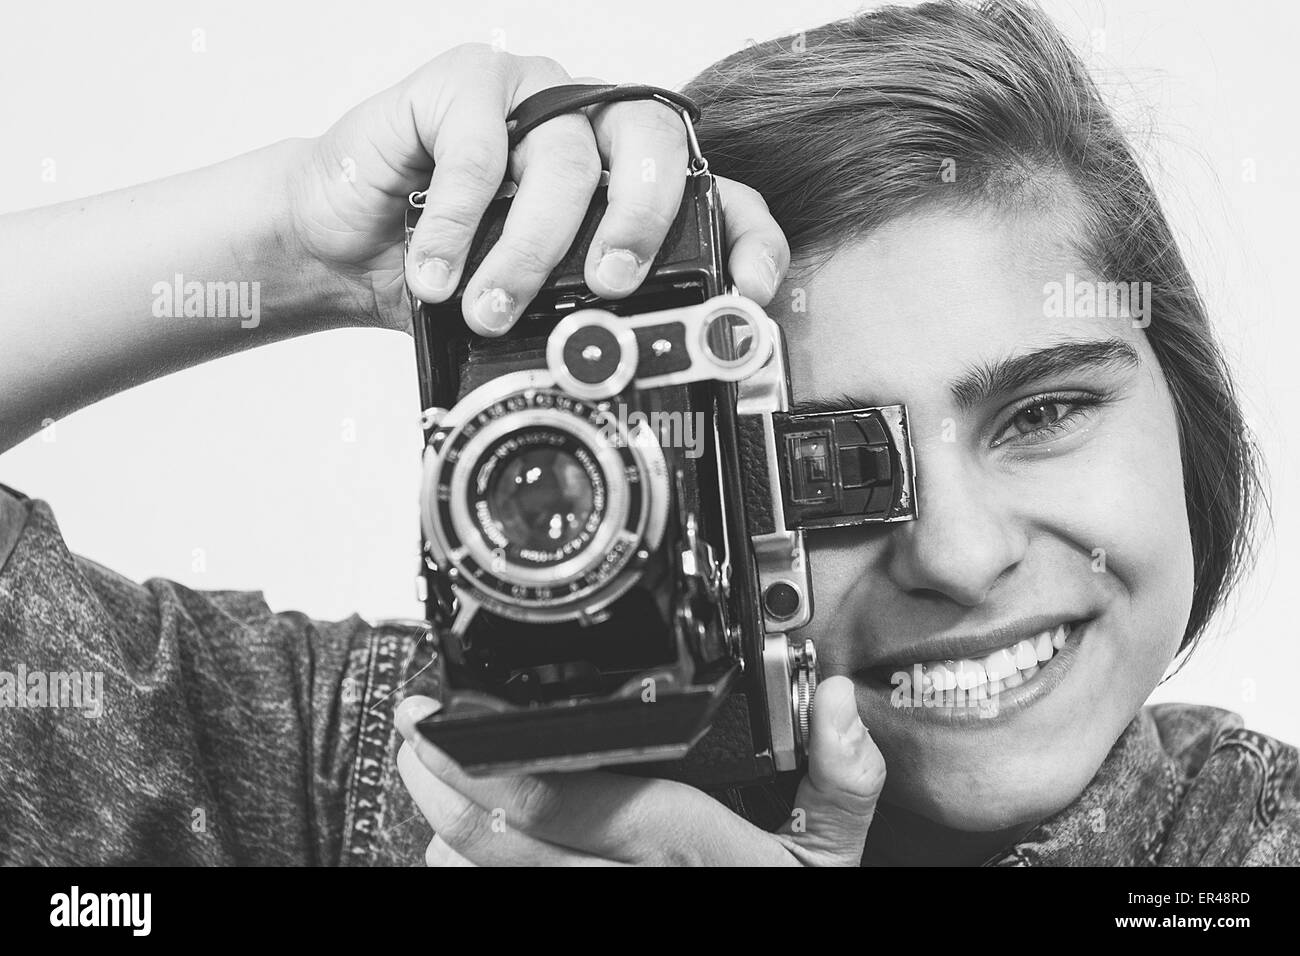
(613, 507)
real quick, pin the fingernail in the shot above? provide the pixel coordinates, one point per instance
(767, 268)
(495, 310)
(411, 711)
(619, 270)
(435, 273)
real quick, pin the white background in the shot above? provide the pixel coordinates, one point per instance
(240, 474)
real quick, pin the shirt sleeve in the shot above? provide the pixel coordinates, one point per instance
(155, 724)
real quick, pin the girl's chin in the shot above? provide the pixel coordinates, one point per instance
(990, 800)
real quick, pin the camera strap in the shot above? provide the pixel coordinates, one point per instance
(572, 97)
(575, 97)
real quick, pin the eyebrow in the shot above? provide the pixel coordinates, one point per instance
(987, 380)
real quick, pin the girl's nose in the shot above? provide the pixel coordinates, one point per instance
(967, 537)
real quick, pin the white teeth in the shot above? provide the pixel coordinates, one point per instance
(944, 677)
(969, 674)
(999, 664)
(1026, 657)
(1003, 669)
(1058, 637)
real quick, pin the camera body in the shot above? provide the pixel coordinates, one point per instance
(613, 509)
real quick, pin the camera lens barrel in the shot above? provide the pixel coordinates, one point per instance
(541, 501)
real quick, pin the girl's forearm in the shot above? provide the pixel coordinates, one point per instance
(102, 293)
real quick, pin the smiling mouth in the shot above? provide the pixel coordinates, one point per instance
(987, 676)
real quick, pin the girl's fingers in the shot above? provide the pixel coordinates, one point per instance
(469, 154)
(557, 167)
(439, 854)
(461, 124)
(836, 801)
(559, 171)
(480, 835)
(602, 815)
(558, 808)
(644, 144)
(759, 255)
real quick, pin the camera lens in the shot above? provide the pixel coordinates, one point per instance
(542, 497)
(541, 500)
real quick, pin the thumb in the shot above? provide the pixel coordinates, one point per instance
(846, 772)
(410, 712)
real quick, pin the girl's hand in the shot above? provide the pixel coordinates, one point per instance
(594, 818)
(444, 127)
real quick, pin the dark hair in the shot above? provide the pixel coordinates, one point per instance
(847, 126)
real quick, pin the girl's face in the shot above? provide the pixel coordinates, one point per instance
(1050, 493)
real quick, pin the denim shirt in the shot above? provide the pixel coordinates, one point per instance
(202, 728)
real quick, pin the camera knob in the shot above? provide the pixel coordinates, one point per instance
(802, 708)
(591, 354)
(803, 685)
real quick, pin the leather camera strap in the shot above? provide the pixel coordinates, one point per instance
(570, 98)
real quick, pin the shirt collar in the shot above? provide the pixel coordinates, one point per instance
(1120, 819)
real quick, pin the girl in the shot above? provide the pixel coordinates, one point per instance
(946, 177)
(940, 212)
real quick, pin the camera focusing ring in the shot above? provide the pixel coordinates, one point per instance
(538, 501)
(802, 696)
(803, 688)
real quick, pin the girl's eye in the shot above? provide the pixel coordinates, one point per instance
(1039, 415)
(1044, 417)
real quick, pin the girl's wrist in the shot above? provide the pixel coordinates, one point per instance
(312, 295)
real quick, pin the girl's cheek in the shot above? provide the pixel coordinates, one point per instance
(841, 580)
(1118, 507)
